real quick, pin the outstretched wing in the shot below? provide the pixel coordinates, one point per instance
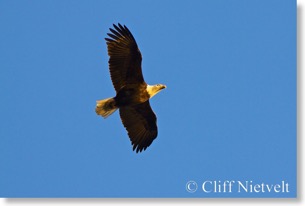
(125, 57)
(141, 124)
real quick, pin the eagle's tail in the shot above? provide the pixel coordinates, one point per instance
(105, 107)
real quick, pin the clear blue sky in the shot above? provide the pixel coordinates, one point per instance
(228, 113)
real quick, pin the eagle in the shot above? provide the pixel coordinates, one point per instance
(132, 92)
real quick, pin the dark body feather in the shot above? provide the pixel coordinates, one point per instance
(131, 94)
(131, 97)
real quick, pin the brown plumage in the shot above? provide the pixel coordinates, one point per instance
(132, 92)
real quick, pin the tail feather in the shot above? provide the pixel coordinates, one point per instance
(105, 107)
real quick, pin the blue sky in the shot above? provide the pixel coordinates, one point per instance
(228, 113)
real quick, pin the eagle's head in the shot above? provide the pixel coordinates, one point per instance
(152, 90)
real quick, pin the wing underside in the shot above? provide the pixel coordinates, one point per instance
(125, 57)
(141, 124)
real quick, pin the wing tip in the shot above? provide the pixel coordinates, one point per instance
(122, 31)
(109, 40)
(139, 149)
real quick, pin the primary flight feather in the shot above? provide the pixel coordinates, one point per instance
(132, 92)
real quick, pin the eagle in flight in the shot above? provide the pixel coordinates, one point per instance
(132, 92)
